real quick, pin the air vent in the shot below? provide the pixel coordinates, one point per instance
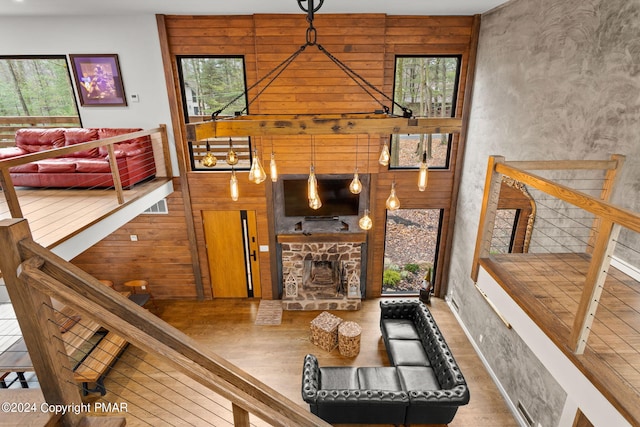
(159, 208)
(454, 304)
(525, 414)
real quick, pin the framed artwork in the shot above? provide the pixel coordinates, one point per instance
(98, 80)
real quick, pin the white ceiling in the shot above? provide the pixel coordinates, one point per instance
(235, 7)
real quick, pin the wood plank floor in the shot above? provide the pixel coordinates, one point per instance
(549, 286)
(274, 355)
(55, 215)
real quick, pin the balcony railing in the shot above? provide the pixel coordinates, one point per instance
(61, 211)
(577, 273)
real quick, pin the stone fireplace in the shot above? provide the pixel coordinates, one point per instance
(321, 272)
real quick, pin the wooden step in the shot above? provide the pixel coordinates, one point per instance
(100, 359)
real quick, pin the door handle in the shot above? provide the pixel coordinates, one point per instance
(253, 255)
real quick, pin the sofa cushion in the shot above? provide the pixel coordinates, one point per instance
(56, 166)
(27, 168)
(407, 352)
(33, 140)
(9, 152)
(92, 166)
(417, 378)
(399, 329)
(338, 377)
(129, 147)
(77, 136)
(379, 378)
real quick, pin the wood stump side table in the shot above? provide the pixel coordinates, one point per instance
(324, 331)
(349, 339)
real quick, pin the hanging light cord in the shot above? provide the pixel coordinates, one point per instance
(311, 40)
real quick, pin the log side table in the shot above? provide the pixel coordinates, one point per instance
(349, 339)
(324, 331)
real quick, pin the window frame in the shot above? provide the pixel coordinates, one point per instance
(454, 104)
(193, 146)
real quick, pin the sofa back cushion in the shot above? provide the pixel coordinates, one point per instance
(33, 140)
(126, 148)
(79, 135)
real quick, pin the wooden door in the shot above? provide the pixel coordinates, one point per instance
(232, 251)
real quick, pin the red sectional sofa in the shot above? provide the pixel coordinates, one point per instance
(82, 169)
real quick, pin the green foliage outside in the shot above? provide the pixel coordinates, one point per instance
(36, 87)
(391, 278)
(214, 82)
(413, 268)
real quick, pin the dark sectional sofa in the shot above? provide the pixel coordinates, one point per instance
(424, 385)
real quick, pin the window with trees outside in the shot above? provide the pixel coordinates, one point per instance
(212, 84)
(35, 91)
(428, 85)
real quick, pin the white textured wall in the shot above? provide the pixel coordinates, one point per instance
(555, 79)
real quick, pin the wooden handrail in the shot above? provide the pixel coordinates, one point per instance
(596, 206)
(47, 274)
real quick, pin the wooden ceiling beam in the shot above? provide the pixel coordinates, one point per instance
(319, 124)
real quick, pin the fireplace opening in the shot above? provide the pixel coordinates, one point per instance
(322, 276)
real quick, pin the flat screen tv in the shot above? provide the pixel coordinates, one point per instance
(334, 194)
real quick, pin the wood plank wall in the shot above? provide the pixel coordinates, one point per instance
(161, 254)
(367, 43)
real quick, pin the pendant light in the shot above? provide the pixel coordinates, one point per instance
(356, 186)
(232, 157)
(256, 173)
(312, 184)
(233, 185)
(384, 155)
(273, 169)
(209, 160)
(393, 203)
(365, 222)
(423, 174)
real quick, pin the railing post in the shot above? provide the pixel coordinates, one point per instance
(594, 282)
(610, 180)
(166, 155)
(115, 173)
(240, 416)
(10, 194)
(492, 186)
(34, 311)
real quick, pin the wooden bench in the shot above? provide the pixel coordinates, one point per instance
(97, 363)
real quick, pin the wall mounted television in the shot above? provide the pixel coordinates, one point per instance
(334, 193)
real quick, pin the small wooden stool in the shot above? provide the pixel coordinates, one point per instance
(141, 289)
(108, 283)
(349, 339)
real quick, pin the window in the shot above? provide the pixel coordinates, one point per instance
(428, 85)
(36, 91)
(211, 84)
(410, 249)
(504, 231)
